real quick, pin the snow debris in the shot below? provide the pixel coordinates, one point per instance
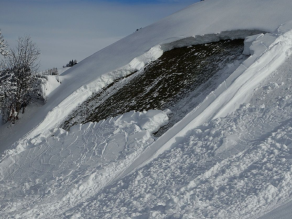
(66, 168)
(248, 44)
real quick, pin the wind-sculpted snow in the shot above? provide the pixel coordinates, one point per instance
(58, 172)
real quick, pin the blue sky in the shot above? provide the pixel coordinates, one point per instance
(75, 29)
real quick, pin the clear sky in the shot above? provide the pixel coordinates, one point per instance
(75, 29)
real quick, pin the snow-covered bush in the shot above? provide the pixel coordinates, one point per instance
(37, 91)
(52, 71)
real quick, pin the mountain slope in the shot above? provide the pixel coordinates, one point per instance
(205, 19)
(230, 157)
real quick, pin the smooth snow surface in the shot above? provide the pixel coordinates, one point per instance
(229, 158)
(282, 212)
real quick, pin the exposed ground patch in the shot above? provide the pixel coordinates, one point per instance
(174, 81)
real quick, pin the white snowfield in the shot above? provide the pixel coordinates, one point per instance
(229, 158)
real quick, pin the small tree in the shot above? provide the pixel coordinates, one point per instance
(19, 70)
(71, 63)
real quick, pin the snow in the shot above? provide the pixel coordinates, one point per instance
(120, 59)
(62, 70)
(234, 91)
(65, 168)
(194, 179)
(52, 82)
(283, 212)
(202, 176)
(228, 158)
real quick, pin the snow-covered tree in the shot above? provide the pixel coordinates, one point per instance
(71, 63)
(18, 78)
(4, 52)
(51, 71)
(3, 46)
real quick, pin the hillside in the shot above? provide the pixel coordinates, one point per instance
(216, 146)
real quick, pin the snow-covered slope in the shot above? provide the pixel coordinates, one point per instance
(228, 158)
(196, 24)
(65, 169)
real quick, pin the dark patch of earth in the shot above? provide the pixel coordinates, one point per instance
(175, 76)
